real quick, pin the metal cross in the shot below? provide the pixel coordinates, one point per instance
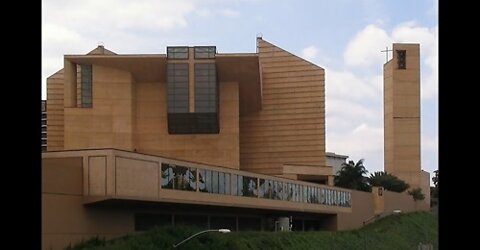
(386, 52)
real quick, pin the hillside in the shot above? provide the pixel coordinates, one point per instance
(403, 231)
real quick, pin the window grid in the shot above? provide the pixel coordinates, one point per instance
(206, 93)
(177, 85)
(215, 182)
(86, 85)
(205, 52)
(177, 52)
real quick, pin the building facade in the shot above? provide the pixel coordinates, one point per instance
(335, 161)
(191, 136)
(262, 112)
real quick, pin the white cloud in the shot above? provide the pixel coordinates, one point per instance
(344, 84)
(350, 110)
(430, 143)
(210, 13)
(56, 33)
(310, 52)
(364, 49)
(376, 81)
(362, 141)
(229, 13)
(429, 146)
(203, 12)
(109, 15)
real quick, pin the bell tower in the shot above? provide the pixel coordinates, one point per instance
(402, 117)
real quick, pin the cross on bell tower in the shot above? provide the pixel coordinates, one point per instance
(386, 52)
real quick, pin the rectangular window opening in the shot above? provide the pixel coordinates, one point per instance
(205, 52)
(401, 59)
(86, 85)
(177, 52)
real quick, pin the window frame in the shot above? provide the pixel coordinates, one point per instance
(86, 85)
(173, 54)
(210, 52)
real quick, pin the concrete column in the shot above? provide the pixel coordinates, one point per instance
(330, 180)
(70, 84)
(378, 200)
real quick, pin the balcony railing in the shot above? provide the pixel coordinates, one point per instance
(216, 182)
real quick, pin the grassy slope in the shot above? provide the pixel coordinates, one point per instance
(402, 231)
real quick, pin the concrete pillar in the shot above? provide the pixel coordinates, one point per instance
(70, 84)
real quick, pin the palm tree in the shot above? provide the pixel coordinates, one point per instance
(417, 194)
(387, 181)
(352, 176)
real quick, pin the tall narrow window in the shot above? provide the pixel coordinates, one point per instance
(205, 88)
(86, 85)
(177, 81)
(401, 59)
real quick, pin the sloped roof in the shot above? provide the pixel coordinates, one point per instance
(100, 50)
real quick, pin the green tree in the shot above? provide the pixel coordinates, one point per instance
(435, 178)
(417, 194)
(434, 190)
(352, 176)
(387, 181)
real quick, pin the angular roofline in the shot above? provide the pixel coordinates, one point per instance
(58, 72)
(336, 155)
(307, 61)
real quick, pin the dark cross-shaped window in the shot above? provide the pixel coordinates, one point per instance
(401, 59)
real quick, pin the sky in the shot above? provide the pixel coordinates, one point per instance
(345, 37)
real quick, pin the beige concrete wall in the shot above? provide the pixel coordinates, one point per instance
(366, 206)
(65, 220)
(362, 210)
(97, 175)
(55, 114)
(290, 128)
(152, 132)
(398, 201)
(419, 179)
(62, 175)
(108, 124)
(137, 178)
